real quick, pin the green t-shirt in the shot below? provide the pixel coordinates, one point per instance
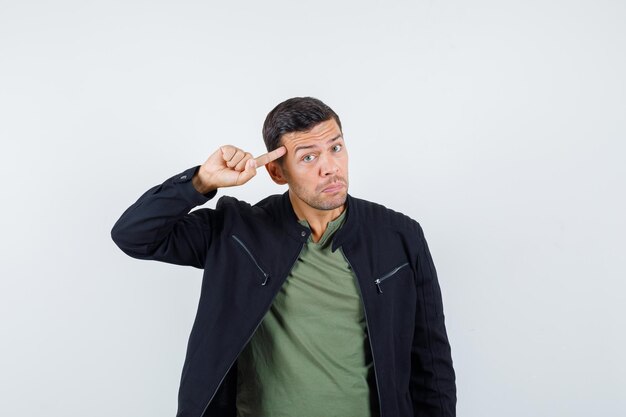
(308, 356)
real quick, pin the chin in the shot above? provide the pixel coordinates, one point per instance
(331, 203)
(320, 201)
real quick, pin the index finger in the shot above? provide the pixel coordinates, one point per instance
(270, 156)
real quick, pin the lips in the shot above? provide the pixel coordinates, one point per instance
(334, 187)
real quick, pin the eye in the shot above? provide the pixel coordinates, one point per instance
(308, 158)
(337, 148)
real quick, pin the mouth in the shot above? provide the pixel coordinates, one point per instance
(333, 188)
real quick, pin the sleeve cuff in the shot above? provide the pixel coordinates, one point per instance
(183, 180)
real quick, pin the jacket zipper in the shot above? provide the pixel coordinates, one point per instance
(387, 275)
(370, 338)
(265, 274)
(255, 327)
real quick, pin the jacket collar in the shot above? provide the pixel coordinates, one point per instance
(300, 232)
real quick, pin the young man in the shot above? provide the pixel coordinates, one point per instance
(313, 302)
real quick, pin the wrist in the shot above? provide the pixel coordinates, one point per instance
(201, 187)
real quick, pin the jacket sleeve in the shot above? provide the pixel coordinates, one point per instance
(432, 383)
(159, 225)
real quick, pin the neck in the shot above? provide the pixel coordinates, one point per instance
(318, 219)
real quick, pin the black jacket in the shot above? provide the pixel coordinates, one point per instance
(248, 251)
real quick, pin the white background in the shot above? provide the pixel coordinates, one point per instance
(498, 125)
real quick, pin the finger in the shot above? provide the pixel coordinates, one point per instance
(228, 152)
(242, 164)
(270, 156)
(248, 172)
(238, 156)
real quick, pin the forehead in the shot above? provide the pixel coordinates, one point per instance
(321, 132)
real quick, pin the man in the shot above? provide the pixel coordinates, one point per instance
(313, 302)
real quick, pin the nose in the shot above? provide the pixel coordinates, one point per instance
(328, 165)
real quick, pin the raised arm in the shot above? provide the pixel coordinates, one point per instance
(159, 225)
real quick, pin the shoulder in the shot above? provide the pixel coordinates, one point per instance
(375, 214)
(386, 226)
(388, 231)
(234, 206)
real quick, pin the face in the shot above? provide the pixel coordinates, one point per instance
(316, 166)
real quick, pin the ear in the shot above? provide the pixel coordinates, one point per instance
(276, 172)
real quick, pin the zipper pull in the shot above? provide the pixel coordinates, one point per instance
(377, 282)
(267, 276)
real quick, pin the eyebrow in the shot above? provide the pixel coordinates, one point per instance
(302, 147)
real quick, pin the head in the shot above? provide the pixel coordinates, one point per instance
(316, 163)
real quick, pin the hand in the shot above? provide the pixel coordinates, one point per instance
(230, 166)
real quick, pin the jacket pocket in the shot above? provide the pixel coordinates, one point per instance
(266, 275)
(388, 275)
